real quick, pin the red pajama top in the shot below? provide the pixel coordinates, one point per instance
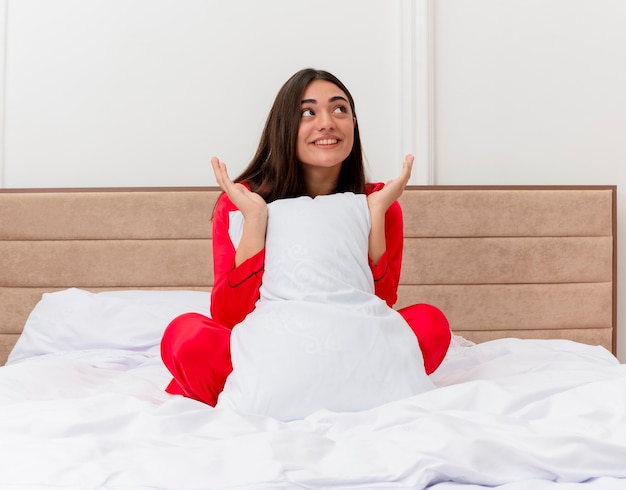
(236, 289)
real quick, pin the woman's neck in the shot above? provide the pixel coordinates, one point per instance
(321, 181)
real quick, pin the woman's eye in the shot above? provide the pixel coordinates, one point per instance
(307, 113)
(341, 109)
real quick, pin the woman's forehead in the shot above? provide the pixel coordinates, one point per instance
(322, 89)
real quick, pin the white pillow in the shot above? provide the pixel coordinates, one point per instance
(319, 338)
(75, 319)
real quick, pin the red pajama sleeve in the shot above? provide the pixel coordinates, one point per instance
(235, 289)
(387, 271)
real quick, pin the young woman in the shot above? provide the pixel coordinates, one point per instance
(310, 146)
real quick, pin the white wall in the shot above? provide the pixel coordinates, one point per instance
(533, 92)
(144, 92)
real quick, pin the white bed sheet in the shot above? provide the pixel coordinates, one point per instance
(511, 414)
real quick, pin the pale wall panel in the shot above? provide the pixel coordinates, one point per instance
(119, 93)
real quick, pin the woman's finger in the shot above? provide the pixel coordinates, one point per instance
(221, 174)
(407, 166)
(215, 163)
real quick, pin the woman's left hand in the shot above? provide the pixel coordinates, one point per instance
(380, 201)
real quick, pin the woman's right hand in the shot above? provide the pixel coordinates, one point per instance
(251, 204)
(253, 208)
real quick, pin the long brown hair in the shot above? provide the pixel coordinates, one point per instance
(275, 172)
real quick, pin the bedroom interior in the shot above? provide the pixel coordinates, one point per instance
(109, 115)
(478, 102)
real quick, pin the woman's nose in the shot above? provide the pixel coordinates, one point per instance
(325, 121)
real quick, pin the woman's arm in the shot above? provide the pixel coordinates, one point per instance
(386, 233)
(386, 271)
(252, 207)
(235, 287)
(237, 272)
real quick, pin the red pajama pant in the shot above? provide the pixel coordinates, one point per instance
(196, 349)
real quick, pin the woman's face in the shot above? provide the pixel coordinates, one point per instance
(326, 131)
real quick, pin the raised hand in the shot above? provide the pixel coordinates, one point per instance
(251, 204)
(380, 200)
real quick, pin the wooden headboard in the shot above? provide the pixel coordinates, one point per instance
(515, 261)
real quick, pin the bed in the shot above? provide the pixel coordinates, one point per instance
(530, 394)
